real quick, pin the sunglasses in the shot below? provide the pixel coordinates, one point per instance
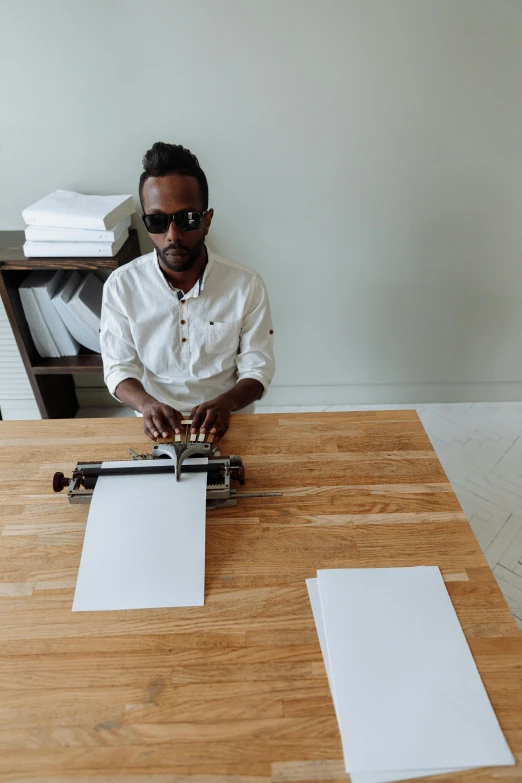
(185, 220)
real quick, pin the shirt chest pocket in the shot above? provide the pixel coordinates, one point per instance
(222, 336)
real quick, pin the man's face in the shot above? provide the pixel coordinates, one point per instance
(178, 251)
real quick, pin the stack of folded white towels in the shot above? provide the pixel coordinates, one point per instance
(66, 223)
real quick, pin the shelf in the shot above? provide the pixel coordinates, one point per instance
(12, 255)
(51, 379)
(83, 363)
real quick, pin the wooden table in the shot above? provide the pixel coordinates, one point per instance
(234, 691)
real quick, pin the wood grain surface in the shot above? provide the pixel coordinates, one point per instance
(235, 691)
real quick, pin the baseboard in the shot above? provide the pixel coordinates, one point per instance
(95, 397)
(414, 393)
(19, 412)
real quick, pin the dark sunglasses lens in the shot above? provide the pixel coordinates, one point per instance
(156, 224)
(184, 220)
(187, 221)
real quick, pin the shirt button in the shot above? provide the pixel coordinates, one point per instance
(183, 322)
(271, 330)
(182, 301)
(183, 339)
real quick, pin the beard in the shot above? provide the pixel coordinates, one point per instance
(187, 258)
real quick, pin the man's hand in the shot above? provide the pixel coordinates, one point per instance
(160, 420)
(213, 416)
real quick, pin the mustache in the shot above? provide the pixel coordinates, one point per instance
(176, 246)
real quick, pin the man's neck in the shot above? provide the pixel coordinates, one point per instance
(186, 281)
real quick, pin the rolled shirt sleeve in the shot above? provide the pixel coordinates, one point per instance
(255, 358)
(120, 358)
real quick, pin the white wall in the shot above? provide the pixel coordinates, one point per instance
(364, 155)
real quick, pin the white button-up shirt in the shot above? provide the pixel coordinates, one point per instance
(186, 348)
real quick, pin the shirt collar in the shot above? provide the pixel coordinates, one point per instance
(197, 288)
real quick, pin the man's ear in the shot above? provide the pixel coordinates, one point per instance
(208, 220)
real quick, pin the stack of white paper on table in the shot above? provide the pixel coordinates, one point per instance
(407, 694)
(63, 311)
(66, 223)
(144, 545)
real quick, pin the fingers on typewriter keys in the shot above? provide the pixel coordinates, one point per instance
(193, 437)
(187, 424)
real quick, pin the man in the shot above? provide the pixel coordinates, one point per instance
(183, 329)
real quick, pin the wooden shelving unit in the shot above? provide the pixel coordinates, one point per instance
(50, 379)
